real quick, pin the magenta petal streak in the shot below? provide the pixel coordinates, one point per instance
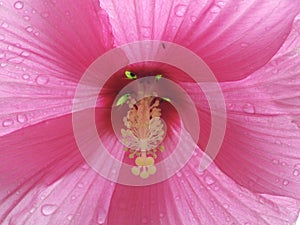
(233, 37)
(43, 53)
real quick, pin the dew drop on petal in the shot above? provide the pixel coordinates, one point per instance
(4, 25)
(209, 180)
(1, 37)
(48, 209)
(70, 217)
(161, 215)
(29, 29)
(3, 64)
(193, 18)
(296, 172)
(225, 206)
(42, 80)
(146, 31)
(45, 14)
(101, 216)
(7, 123)
(25, 76)
(32, 210)
(283, 164)
(275, 161)
(248, 108)
(25, 54)
(244, 45)
(19, 5)
(285, 182)
(144, 220)
(22, 118)
(215, 9)
(180, 10)
(297, 166)
(2, 55)
(26, 18)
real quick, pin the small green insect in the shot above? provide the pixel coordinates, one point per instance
(122, 99)
(158, 77)
(166, 99)
(130, 75)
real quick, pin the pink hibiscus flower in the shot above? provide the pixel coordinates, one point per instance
(51, 171)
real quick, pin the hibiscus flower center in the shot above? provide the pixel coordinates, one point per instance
(143, 130)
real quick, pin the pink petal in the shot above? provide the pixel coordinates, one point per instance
(191, 197)
(45, 46)
(261, 147)
(44, 179)
(233, 37)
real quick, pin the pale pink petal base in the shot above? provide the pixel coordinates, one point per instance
(198, 198)
(44, 179)
(234, 38)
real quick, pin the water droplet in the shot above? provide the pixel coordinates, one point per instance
(285, 182)
(2, 37)
(144, 220)
(4, 25)
(297, 166)
(268, 28)
(32, 210)
(48, 209)
(275, 161)
(261, 200)
(29, 29)
(193, 18)
(180, 10)
(25, 54)
(22, 118)
(70, 217)
(42, 80)
(221, 3)
(2, 55)
(146, 31)
(3, 64)
(7, 123)
(26, 18)
(161, 215)
(275, 70)
(296, 122)
(209, 180)
(244, 45)
(85, 166)
(179, 174)
(101, 217)
(215, 9)
(73, 197)
(296, 172)
(80, 185)
(25, 76)
(19, 5)
(45, 14)
(16, 60)
(249, 108)
(283, 164)
(226, 206)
